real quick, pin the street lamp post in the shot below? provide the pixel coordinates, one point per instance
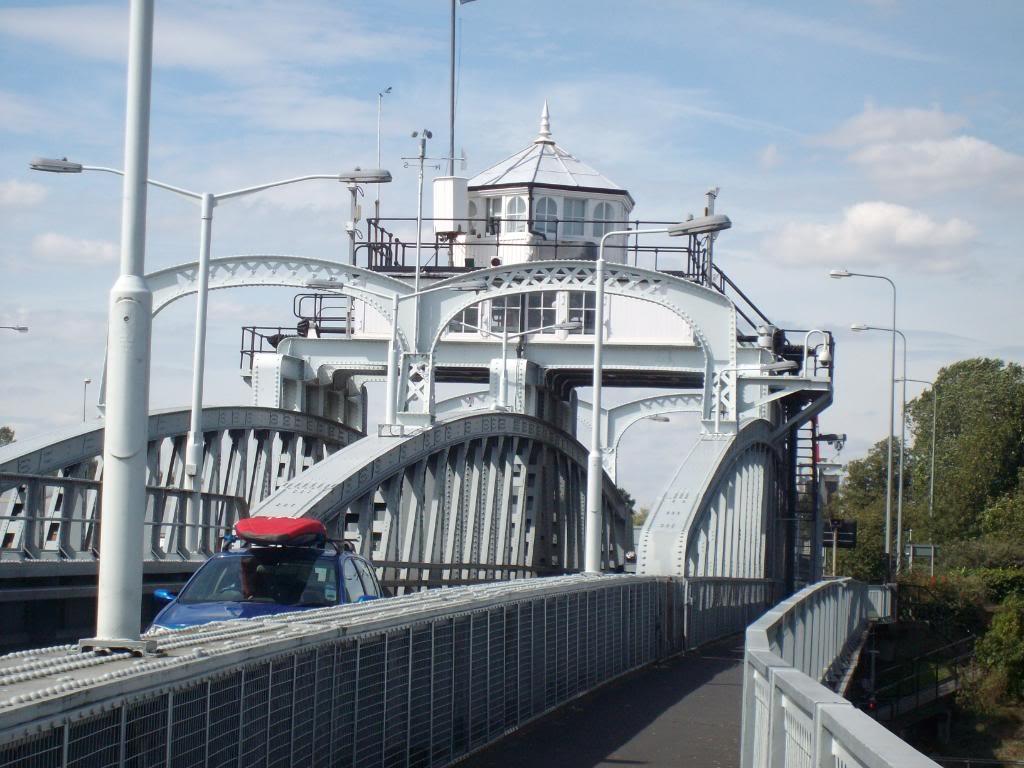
(935, 411)
(380, 103)
(903, 433)
(85, 394)
(595, 470)
(207, 202)
(839, 274)
(391, 393)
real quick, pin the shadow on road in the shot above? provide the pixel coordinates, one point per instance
(683, 712)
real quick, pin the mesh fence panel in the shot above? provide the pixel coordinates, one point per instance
(421, 694)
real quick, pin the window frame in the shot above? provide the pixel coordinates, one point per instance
(546, 221)
(515, 214)
(573, 220)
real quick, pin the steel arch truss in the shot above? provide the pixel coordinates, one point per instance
(484, 496)
(50, 488)
(721, 514)
(709, 314)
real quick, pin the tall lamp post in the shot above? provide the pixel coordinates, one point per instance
(595, 470)
(935, 411)
(839, 274)
(903, 432)
(380, 104)
(207, 202)
(336, 286)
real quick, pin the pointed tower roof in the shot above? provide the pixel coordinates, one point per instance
(545, 164)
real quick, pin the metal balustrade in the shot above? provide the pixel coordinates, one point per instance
(418, 680)
(789, 718)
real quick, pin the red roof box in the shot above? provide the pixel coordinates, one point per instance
(299, 531)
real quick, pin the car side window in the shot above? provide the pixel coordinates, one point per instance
(369, 578)
(353, 587)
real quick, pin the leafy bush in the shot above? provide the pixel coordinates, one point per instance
(1000, 653)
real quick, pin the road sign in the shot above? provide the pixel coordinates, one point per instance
(843, 533)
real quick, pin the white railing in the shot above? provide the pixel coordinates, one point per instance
(418, 680)
(790, 719)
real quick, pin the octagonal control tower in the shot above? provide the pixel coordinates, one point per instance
(538, 204)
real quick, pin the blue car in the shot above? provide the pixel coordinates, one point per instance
(253, 578)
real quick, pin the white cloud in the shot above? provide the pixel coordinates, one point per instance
(964, 161)
(875, 125)
(877, 234)
(60, 249)
(920, 151)
(245, 40)
(14, 193)
(769, 157)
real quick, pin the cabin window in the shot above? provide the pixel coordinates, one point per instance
(541, 311)
(505, 313)
(515, 214)
(546, 216)
(467, 321)
(581, 310)
(604, 216)
(493, 212)
(575, 213)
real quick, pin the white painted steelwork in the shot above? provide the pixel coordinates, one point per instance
(49, 500)
(500, 491)
(789, 717)
(417, 680)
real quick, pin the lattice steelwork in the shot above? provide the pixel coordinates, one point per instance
(420, 692)
(50, 492)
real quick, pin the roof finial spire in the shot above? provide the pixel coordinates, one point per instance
(544, 137)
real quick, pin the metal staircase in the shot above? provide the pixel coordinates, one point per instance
(806, 504)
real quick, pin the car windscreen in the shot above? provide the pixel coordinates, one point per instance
(272, 575)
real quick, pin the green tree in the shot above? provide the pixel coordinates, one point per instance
(6, 435)
(1001, 651)
(862, 498)
(979, 447)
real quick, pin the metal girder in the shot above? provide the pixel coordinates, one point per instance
(709, 314)
(497, 490)
(49, 487)
(719, 514)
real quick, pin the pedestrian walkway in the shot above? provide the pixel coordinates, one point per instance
(684, 712)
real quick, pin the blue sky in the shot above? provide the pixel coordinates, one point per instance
(880, 136)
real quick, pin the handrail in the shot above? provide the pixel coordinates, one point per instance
(789, 717)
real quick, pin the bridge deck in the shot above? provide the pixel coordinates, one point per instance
(682, 712)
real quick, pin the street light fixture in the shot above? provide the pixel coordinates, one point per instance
(705, 225)
(207, 202)
(844, 273)
(16, 328)
(859, 327)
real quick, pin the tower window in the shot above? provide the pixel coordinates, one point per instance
(515, 214)
(575, 213)
(546, 216)
(604, 216)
